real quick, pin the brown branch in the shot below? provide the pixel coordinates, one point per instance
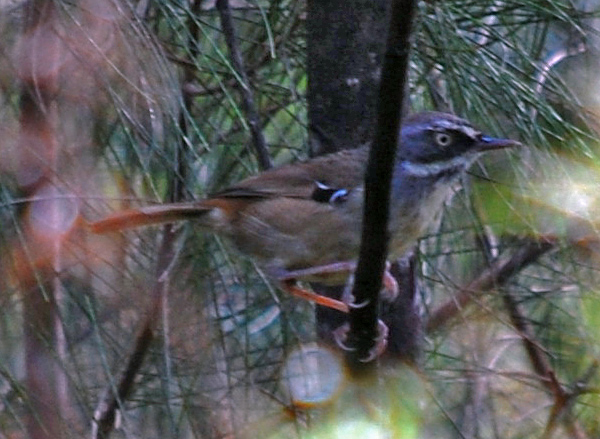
(564, 399)
(105, 415)
(402, 316)
(252, 118)
(497, 274)
(373, 250)
(189, 73)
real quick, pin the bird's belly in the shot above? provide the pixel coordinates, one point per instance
(317, 234)
(312, 234)
(410, 222)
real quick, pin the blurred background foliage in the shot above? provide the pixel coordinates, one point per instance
(108, 104)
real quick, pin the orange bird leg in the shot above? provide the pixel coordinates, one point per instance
(390, 285)
(289, 286)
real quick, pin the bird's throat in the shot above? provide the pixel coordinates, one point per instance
(437, 169)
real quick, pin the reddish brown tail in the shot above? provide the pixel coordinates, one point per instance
(146, 216)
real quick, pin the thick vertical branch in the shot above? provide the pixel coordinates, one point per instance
(44, 419)
(402, 316)
(373, 251)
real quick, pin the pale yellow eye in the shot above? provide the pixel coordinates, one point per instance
(443, 139)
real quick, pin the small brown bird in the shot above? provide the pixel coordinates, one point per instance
(303, 221)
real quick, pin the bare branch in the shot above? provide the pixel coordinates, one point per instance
(564, 399)
(105, 415)
(252, 118)
(498, 273)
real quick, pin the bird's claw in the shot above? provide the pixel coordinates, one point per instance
(358, 305)
(347, 296)
(390, 289)
(340, 336)
(380, 342)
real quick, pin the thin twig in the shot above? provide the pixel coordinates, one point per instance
(373, 250)
(252, 118)
(498, 273)
(564, 399)
(105, 415)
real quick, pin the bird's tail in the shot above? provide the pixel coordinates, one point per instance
(150, 215)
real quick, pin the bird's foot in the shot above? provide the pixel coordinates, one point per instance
(389, 290)
(340, 336)
(348, 298)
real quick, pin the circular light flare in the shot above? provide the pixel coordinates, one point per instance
(576, 199)
(312, 375)
(53, 211)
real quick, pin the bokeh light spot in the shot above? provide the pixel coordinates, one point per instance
(53, 211)
(312, 375)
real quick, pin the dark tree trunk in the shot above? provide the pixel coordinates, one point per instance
(346, 39)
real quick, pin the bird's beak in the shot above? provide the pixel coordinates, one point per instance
(489, 143)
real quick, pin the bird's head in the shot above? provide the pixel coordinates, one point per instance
(432, 142)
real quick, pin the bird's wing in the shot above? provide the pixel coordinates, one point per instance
(309, 180)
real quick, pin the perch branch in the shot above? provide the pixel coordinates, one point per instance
(373, 250)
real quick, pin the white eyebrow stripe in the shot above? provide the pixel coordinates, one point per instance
(466, 129)
(443, 125)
